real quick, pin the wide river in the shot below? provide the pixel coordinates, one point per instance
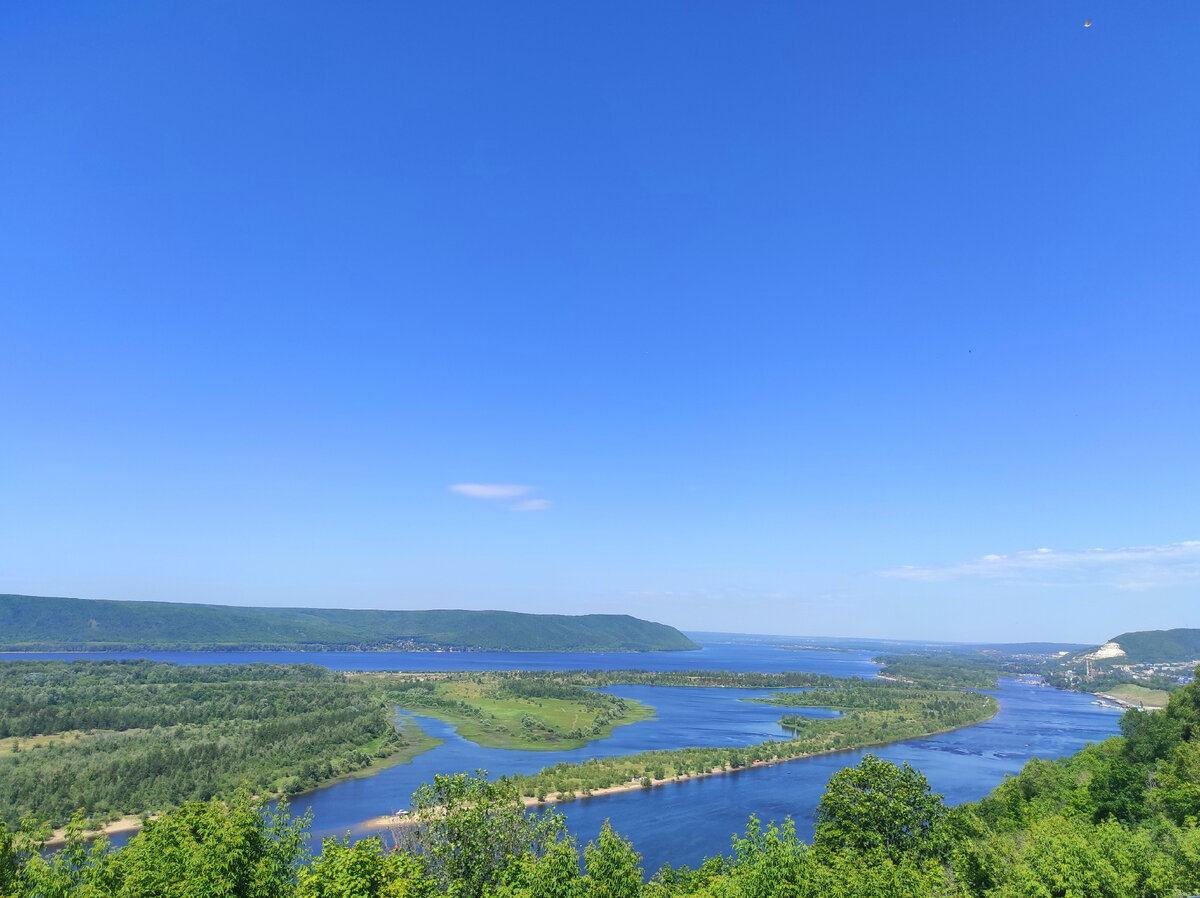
(686, 822)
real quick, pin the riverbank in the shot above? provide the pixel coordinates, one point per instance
(1126, 697)
(638, 784)
(131, 824)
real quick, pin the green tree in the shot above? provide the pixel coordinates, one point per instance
(468, 830)
(215, 849)
(1149, 735)
(1118, 791)
(80, 869)
(768, 862)
(363, 870)
(1178, 792)
(878, 806)
(553, 875)
(8, 861)
(613, 867)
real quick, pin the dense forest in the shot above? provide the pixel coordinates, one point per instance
(121, 737)
(1117, 820)
(970, 670)
(43, 623)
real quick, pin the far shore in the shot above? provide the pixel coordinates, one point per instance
(1125, 703)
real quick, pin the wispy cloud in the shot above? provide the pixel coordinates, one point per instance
(531, 505)
(490, 490)
(1134, 567)
(502, 491)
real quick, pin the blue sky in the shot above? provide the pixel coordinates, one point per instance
(821, 319)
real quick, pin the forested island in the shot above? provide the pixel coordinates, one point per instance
(1116, 820)
(53, 624)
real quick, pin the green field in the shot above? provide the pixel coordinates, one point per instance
(1139, 695)
(511, 710)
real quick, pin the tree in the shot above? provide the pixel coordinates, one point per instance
(363, 870)
(878, 806)
(8, 861)
(468, 830)
(80, 869)
(215, 849)
(613, 867)
(1178, 793)
(553, 875)
(768, 862)
(1149, 735)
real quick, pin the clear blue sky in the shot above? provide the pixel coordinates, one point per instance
(803, 318)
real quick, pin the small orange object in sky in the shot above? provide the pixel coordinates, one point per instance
(1087, 24)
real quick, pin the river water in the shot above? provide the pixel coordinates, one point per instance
(685, 822)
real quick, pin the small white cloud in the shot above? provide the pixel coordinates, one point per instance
(490, 490)
(1133, 568)
(531, 505)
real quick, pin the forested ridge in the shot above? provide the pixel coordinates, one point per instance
(1149, 646)
(45, 623)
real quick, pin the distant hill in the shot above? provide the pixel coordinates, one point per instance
(1159, 646)
(40, 623)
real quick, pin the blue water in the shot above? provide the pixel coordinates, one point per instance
(684, 823)
(715, 656)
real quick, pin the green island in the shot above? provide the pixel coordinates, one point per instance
(510, 709)
(1120, 819)
(874, 714)
(54, 624)
(974, 670)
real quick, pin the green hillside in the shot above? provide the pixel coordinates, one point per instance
(40, 623)
(1154, 646)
